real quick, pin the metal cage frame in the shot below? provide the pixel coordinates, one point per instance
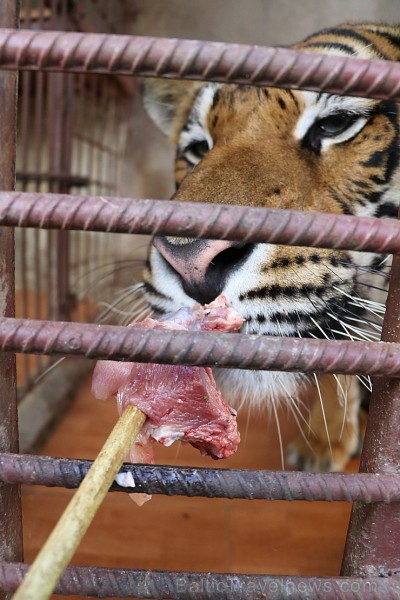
(371, 562)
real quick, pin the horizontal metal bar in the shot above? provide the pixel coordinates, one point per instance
(211, 483)
(213, 221)
(200, 348)
(61, 178)
(191, 59)
(103, 582)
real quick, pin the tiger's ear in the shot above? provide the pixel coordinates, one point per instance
(168, 102)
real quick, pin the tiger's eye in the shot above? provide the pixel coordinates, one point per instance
(335, 124)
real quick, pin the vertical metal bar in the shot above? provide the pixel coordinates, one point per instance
(60, 100)
(64, 166)
(56, 141)
(111, 97)
(51, 133)
(41, 237)
(373, 540)
(104, 164)
(31, 141)
(91, 109)
(39, 140)
(10, 501)
(24, 373)
(80, 169)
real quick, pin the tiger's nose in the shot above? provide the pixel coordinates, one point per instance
(203, 265)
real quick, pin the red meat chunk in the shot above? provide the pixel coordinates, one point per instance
(181, 403)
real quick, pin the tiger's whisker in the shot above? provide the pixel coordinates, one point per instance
(387, 257)
(365, 268)
(49, 369)
(130, 293)
(357, 319)
(365, 381)
(294, 405)
(339, 385)
(353, 337)
(362, 303)
(345, 401)
(143, 314)
(323, 413)
(278, 427)
(378, 305)
(361, 333)
(246, 431)
(380, 317)
(87, 288)
(346, 327)
(303, 435)
(372, 287)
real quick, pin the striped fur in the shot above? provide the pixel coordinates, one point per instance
(293, 150)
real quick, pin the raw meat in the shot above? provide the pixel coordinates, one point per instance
(181, 403)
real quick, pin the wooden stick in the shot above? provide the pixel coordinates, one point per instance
(59, 548)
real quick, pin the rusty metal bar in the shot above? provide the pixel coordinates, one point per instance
(39, 137)
(24, 126)
(59, 107)
(194, 219)
(10, 502)
(373, 538)
(375, 552)
(103, 582)
(211, 483)
(191, 59)
(201, 348)
(63, 179)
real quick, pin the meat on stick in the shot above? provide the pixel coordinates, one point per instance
(210, 426)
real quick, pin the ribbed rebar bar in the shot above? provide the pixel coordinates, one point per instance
(103, 582)
(199, 220)
(211, 483)
(200, 348)
(191, 59)
(372, 546)
(11, 543)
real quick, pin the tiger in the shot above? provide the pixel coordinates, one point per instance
(287, 149)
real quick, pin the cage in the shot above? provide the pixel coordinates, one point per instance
(61, 254)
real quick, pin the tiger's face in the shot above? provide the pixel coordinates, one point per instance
(284, 149)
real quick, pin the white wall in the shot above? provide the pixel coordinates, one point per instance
(267, 22)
